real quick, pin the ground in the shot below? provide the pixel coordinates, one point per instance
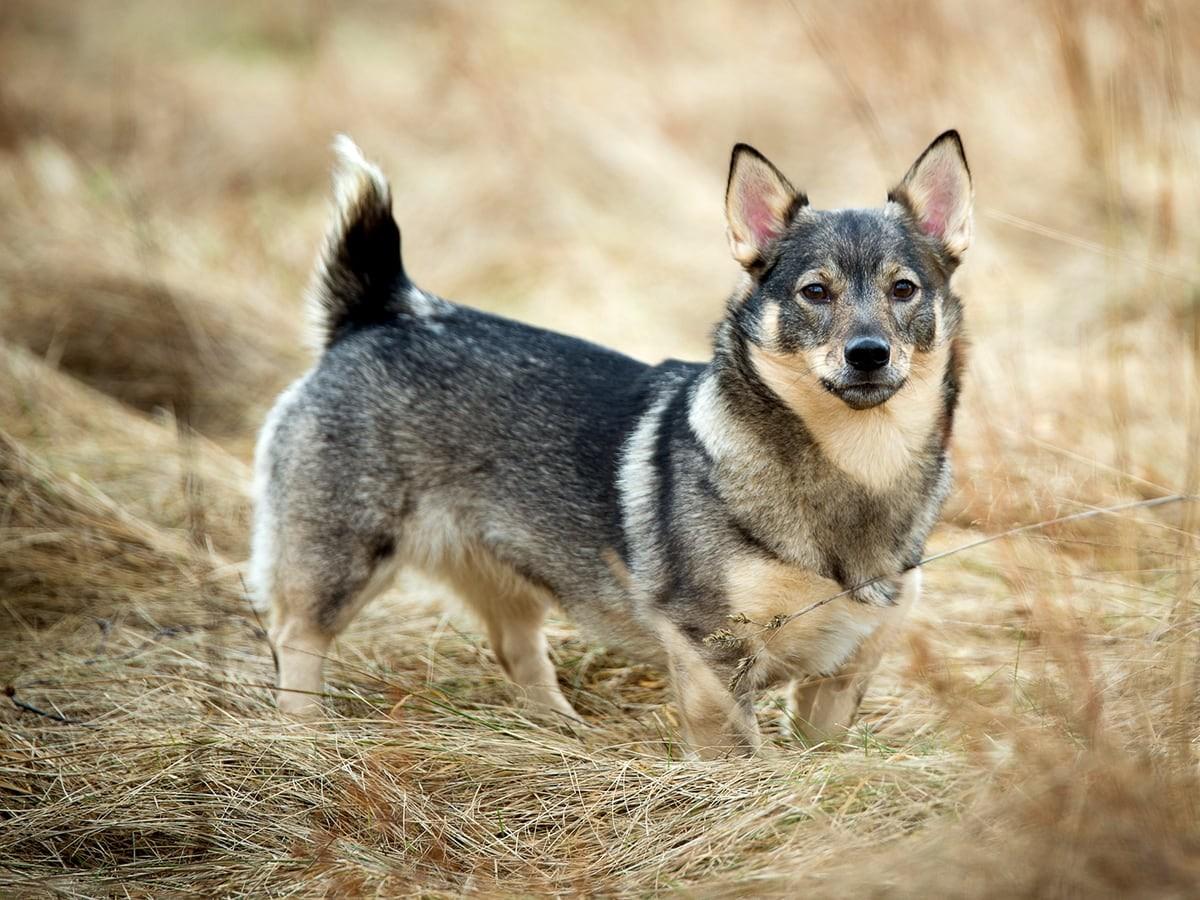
(164, 185)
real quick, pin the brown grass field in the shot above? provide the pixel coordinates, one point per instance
(163, 189)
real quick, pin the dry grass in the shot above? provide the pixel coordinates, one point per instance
(156, 470)
(150, 347)
(162, 176)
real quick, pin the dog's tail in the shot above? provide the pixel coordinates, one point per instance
(359, 278)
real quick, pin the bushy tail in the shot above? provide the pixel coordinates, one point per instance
(359, 279)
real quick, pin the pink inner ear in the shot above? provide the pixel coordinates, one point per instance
(940, 189)
(933, 222)
(760, 217)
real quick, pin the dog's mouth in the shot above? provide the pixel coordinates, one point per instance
(864, 393)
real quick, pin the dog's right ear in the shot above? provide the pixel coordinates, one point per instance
(759, 204)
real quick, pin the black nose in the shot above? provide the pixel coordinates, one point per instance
(867, 353)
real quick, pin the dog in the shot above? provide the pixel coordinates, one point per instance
(741, 523)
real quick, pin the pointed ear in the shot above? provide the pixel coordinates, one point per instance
(937, 191)
(759, 203)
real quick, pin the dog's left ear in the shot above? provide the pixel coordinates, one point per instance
(937, 191)
(759, 203)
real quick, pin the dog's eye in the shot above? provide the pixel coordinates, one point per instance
(903, 289)
(815, 293)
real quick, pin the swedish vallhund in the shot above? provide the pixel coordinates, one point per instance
(691, 515)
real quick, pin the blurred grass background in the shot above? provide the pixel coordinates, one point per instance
(163, 188)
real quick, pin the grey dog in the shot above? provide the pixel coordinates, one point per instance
(693, 515)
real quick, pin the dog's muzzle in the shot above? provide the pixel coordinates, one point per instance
(860, 390)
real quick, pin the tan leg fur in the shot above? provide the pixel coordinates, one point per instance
(513, 612)
(300, 652)
(715, 723)
(823, 709)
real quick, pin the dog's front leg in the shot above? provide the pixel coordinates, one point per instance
(882, 592)
(716, 723)
(822, 709)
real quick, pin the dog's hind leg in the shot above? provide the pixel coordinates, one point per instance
(300, 646)
(520, 645)
(513, 612)
(824, 708)
(315, 587)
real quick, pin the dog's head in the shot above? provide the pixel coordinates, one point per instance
(848, 302)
